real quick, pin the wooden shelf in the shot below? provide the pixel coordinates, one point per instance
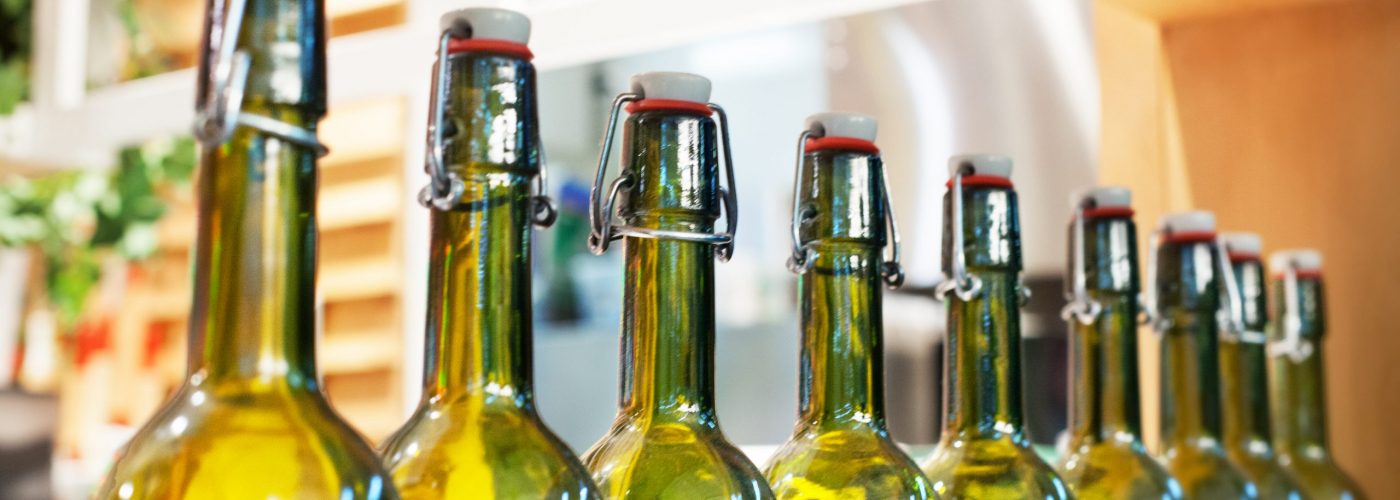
(359, 352)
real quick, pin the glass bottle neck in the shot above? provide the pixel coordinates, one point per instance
(842, 351)
(479, 295)
(982, 367)
(1103, 354)
(668, 324)
(252, 321)
(1245, 387)
(1301, 423)
(1188, 300)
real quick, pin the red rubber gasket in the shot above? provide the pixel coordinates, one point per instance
(460, 45)
(1242, 256)
(1302, 275)
(982, 181)
(669, 105)
(843, 144)
(1105, 212)
(1189, 237)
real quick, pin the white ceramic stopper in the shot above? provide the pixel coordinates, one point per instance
(1195, 221)
(672, 85)
(489, 23)
(981, 164)
(834, 124)
(1242, 243)
(1103, 197)
(1304, 259)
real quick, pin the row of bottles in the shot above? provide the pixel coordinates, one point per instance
(251, 420)
(1226, 430)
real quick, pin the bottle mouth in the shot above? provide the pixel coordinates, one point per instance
(673, 105)
(995, 181)
(852, 144)
(1108, 212)
(501, 47)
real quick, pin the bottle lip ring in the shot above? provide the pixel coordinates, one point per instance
(841, 144)
(658, 104)
(1108, 212)
(502, 47)
(1241, 257)
(1189, 237)
(1302, 274)
(983, 181)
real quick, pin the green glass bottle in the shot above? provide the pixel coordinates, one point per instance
(1184, 298)
(1244, 381)
(251, 420)
(1106, 458)
(984, 452)
(476, 432)
(666, 441)
(1299, 393)
(841, 448)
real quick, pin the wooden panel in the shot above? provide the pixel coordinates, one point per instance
(1282, 122)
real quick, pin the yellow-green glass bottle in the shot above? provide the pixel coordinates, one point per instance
(1244, 381)
(1106, 458)
(476, 432)
(984, 451)
(251, 420)
(841, 448)
(1184, 298)
(666, 442)
(1299, 393)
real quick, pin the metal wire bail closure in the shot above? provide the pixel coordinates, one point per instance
(1293, 345)
(445, 188)
(1148, 299)
(803, 255)
(220, 111)
(602, 230)
(1231, 314)
(1081, 307)
(965, 285)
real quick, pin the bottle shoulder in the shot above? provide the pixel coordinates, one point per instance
(466, 451)
(217, 443)
(672, 460)
(1321, 478)
(1000, 467)
(1206, 472)
(1115, 469)
(1261, 467)
(846, 463)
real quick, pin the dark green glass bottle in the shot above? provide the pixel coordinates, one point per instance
(476, 432)
(1298, 389)
(251, 420)
(1244, 381)
(984, 452)
(842, 221)
(1106, 458)
(666, 442)
(1184, 299)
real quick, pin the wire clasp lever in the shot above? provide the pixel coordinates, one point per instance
(1081, 306)
(804, 256)
(962, 283)
(445, 188)
(602, 229)
(1293, 345)
(220, 110)
(1230, 317)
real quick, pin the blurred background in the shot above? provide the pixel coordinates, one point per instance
(1280, 115)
